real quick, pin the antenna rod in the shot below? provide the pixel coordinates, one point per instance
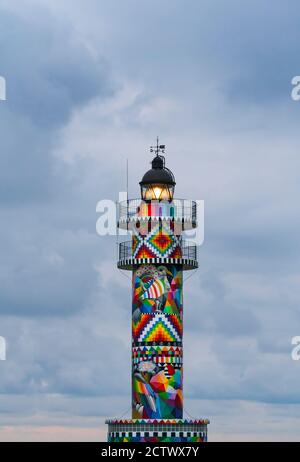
(127, 191)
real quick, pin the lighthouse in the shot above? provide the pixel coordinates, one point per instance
(157, 255)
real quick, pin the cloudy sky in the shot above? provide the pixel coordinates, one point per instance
(89, 84)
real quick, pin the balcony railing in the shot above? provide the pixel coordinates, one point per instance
(188, 248)
(182, 210)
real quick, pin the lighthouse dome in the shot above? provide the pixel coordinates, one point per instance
(158, 173)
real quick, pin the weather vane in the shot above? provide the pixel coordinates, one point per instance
(158, 148)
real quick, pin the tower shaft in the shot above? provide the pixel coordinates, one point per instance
(157, 385)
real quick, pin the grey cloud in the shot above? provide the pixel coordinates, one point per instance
(48, 71)
(49, 74)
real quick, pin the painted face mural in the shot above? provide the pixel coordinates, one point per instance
(157, 342)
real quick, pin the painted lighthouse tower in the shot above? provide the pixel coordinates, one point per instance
(157, 255)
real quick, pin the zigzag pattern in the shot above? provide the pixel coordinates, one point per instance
(139, 326)
(144, 252)
(134, 244)
(176, 322)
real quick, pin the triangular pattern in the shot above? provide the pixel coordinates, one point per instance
(176, 252)
(160, 328)
(166, 350)
(144, 252)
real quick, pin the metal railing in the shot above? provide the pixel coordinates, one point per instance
(188, 248)
(178, 209)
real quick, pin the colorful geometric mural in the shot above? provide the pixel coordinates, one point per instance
(157, 338)
(156, 392)
(157, 327)
(158, 242)
(157, 289)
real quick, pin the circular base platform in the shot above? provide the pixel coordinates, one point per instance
(131, 263)
(157, 430)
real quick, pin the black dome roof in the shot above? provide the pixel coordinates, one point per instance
(158, 173)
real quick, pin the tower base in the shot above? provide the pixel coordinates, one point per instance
(157, 430)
